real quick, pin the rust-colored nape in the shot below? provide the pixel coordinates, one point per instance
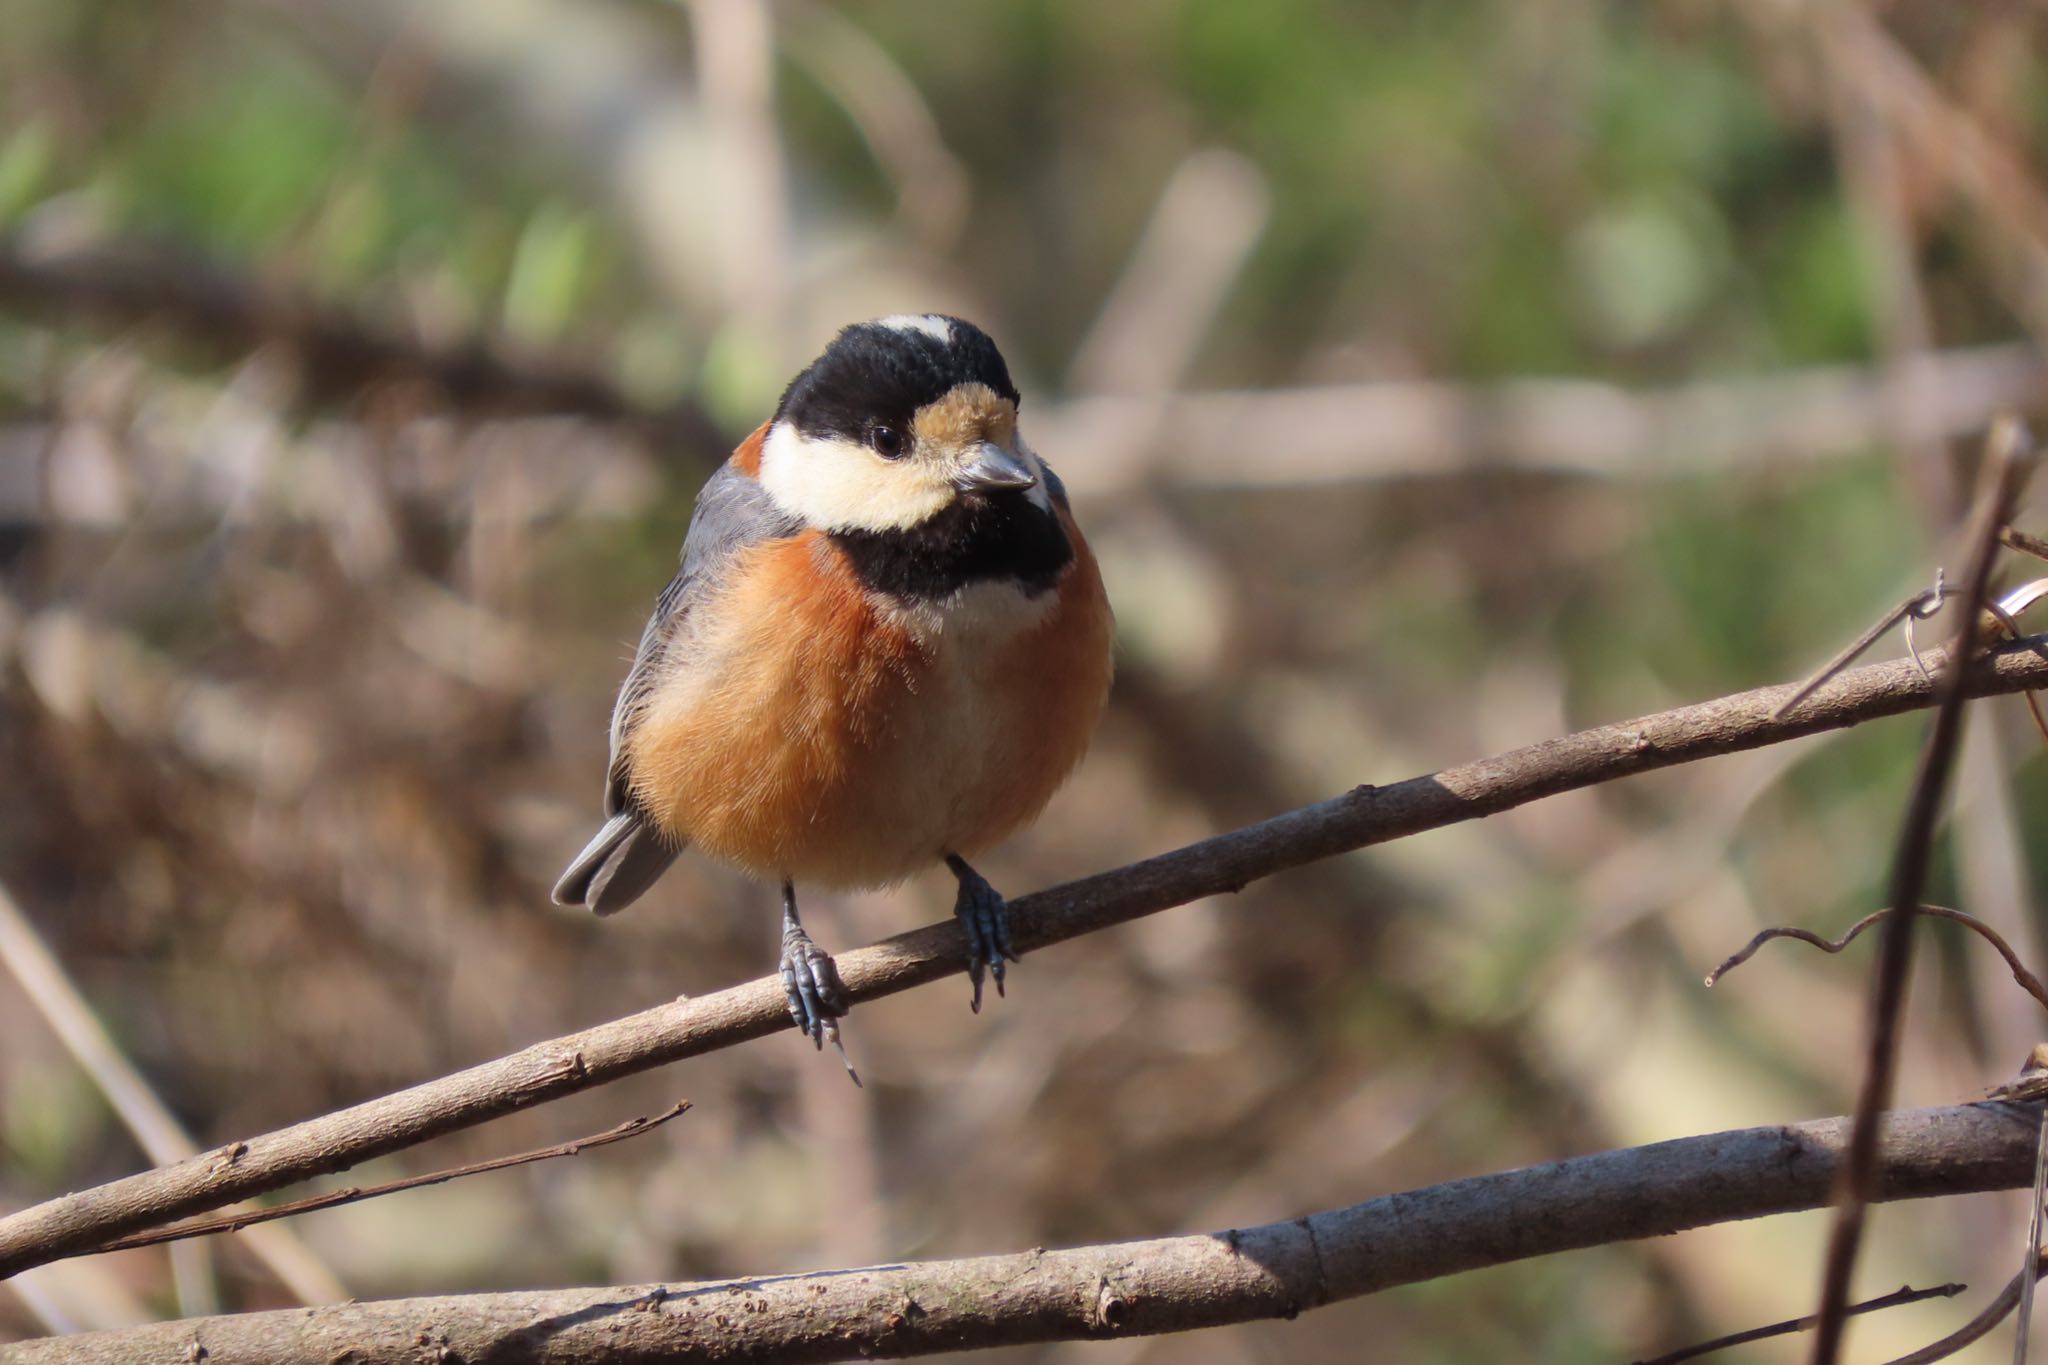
(747, 458)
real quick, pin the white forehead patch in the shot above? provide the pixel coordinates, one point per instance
(839, 485)
(931, 324)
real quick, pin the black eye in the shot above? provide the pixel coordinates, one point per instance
(887, 441)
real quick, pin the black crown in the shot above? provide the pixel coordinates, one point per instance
(874, 375)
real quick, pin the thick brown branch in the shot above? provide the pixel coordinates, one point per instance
(78, 1222)
(1171, 1284)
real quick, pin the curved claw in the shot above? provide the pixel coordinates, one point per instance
(985, 918)
(817, 999)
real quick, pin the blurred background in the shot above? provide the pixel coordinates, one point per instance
(1432, 379)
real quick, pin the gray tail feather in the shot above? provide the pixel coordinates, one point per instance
(615, 867)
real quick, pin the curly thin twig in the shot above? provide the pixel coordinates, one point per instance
(2028, 982)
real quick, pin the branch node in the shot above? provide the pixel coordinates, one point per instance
(1112, 1310)
(228, 1157)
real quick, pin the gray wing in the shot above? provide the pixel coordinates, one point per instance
(628, 854)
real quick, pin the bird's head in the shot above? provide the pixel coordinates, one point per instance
(899, 420)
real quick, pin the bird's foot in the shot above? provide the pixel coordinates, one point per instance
(986, 918)
(817, 997)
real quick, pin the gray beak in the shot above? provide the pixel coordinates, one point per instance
(991, 468)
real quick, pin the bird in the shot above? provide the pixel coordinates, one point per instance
(887, 645)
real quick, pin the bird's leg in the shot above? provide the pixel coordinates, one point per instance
(817, 998)
(986, 918)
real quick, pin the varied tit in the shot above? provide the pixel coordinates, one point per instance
(887, 646)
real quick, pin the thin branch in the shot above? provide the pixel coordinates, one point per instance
(1119, 1289)
(74, 1223)
(1876, 192)
(2030, 1251)
(1976, 1328)
(339, 352)
(2028, 982)
(25, 956)
(354, 1194)
(1331, 434)
(1949, 146)
(65, 1011)
(933, 190)
(1314, 435)
(2007, 459)
(1899, 1297)
(1922, 605)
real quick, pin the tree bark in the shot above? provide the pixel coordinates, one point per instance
(75, 1223)
(1170, 1284)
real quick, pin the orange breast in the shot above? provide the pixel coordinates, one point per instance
(818, 732)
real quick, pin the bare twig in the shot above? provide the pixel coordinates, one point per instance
(2024, 543)
(1976, 1328)
(733, 44)
(64, 1009)
(2031, 1251)
(933, 190)
(339, 353)
(1875, 188)
(1921, 604)
(1312, 435)
(1118, 1289)
(1417, 428)
(2028, 982)
(2005, 464)
(76, 1222)
(1951, 147)
(42, 1305)
(235, 1222)
(1905, 1294)
(42, 979)
(1208, 217)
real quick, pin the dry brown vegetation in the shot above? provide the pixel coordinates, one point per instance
(1430, 387)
